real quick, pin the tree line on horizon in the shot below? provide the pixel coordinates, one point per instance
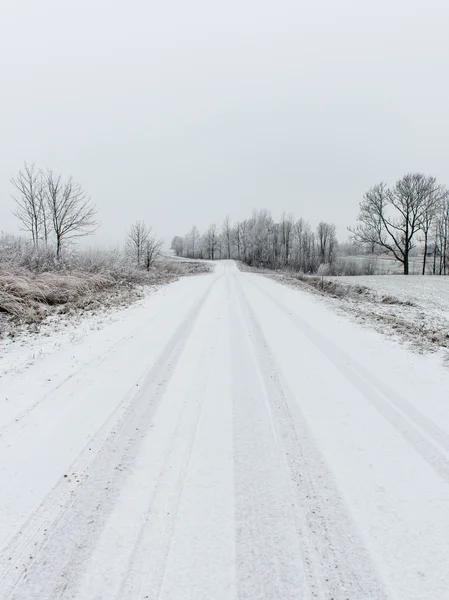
(261, 241)
(392, 221)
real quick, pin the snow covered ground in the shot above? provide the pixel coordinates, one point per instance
(23, 345)
(228, 437)
(416, 307)
(388, 265)
(429, 292)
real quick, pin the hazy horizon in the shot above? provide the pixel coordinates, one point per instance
(180, 114)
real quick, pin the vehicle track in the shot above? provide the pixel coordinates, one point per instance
(17, 421)
(430, 441)
(336, 562)
(62, 532)
(250, 461)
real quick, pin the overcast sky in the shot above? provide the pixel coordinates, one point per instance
(182, 112)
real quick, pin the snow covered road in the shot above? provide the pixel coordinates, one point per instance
(230, 439)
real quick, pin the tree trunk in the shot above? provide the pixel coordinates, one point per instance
(406, 263)
(58, 247)
(425, 254)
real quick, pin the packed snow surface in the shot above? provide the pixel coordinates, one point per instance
(228, 438)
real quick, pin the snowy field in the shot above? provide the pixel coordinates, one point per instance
(429, 292)
(414, 307)
(387, 265)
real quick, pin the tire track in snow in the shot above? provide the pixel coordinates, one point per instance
(19, 420)
(269, 562)
(426, 438)
(201, 563)
(63, 531)
(147, 564)
(337, 564)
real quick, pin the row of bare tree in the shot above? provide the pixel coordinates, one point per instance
(51, 209)
(263, 242)
(393, 220)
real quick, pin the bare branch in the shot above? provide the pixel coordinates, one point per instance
(69, 208)
(30, 208)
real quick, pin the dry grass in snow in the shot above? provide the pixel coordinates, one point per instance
(28, 297)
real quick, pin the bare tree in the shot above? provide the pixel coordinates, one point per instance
(237, 236)
(140, 244)
(211, 241)
(261, 226)
(193, 238)
(286, 227)
(69, 209)
(434, 206)
(298, 231)
(30, 202)
(327, 241)
(177, 245)
(414, 197)
(244, 235)
(152, 249)
(261, 241)
(390, 219)
(441, 239)
(370, 229)
(310, 261)
(45, 217)
(227, 235)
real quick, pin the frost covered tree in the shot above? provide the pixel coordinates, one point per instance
(142, 246)
(30, 202)
(390, 218)
(177, 245)
(193, 238)
(434, 212)
(227, 236)
(441, 238)
(286, 233)
(136, 240)
(211, 242)
(69, 209)
(327, 242)
(263, 242)
(52, 209)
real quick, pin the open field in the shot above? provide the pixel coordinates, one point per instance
(369, 264)
(429, 293)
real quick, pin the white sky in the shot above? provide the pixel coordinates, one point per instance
(181, 112)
